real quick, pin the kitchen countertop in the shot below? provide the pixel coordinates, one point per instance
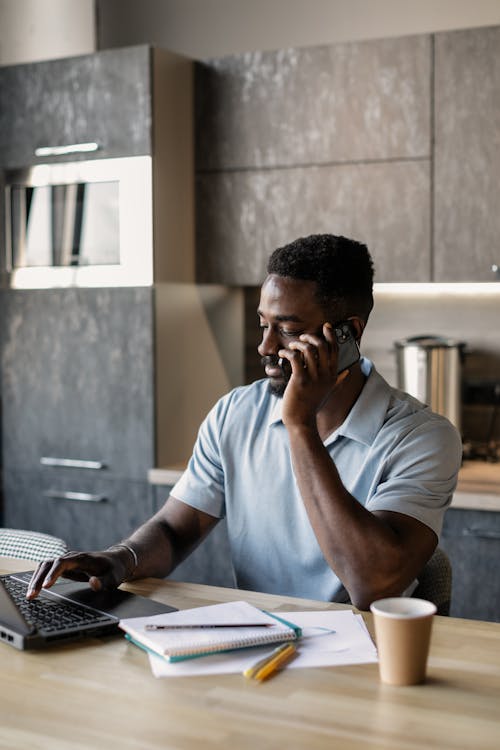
(168, 475)
(478, 484)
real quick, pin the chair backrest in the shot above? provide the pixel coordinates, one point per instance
(30, 545)
(434, 582)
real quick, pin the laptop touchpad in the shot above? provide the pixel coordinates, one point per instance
(120, 604)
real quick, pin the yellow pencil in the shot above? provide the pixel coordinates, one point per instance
(272, 663)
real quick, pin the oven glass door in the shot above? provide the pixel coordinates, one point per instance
(65, 225)
(80, 223)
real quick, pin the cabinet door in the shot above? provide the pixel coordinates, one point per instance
(242, 216)
(103, 98)
(472, 541)
(87, 513)
(467, 157)
(77, 378)
(332, 138)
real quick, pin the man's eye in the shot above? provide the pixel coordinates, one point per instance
(290, 334)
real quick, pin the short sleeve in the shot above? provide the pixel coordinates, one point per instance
(420, 474)
(202, 483)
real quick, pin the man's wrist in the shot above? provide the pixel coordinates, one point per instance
(128, 556)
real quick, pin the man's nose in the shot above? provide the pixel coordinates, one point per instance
(270, 343)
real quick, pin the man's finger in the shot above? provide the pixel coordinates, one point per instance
(49, 571)
(37, 578)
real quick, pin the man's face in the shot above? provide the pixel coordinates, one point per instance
(287, 308)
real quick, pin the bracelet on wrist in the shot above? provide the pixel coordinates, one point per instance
(131, 552)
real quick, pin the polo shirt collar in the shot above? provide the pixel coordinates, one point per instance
(275, 411)
(369, 411)
(367, 415)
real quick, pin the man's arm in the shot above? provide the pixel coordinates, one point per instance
(375, 554)
(159, 545)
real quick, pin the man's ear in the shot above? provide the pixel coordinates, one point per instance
(358, 325)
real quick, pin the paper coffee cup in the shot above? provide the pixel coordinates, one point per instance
(402, 633)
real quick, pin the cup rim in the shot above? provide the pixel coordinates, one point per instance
(422, 607)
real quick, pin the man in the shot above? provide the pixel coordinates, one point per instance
(334, 484)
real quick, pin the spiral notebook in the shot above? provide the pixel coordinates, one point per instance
(190, 633)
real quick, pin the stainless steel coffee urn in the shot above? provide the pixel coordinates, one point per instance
(430, 368)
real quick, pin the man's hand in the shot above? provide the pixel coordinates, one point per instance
(314, 375)
(102, 570)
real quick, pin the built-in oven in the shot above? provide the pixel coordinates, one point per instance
(81, 223)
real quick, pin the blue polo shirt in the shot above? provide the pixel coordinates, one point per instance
(392, 453)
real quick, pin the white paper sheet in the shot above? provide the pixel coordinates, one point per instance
(318, 647)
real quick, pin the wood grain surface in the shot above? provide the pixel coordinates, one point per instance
(101, 694)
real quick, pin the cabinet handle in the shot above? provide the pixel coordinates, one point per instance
(71, 463)
(84, 497)
(71, 148)
(481, 533)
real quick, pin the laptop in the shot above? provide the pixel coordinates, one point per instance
(66, 612)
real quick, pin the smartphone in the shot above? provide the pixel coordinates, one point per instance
(348, 346)
(348, 353)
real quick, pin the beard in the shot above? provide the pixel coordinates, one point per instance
(276, 386)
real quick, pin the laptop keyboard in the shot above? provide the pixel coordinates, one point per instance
(49, 615)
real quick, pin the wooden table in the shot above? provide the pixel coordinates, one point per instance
(101, 694)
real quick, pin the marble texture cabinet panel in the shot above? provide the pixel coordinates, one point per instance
(244, 215)
(471, 538)
(337, 103)
(77, 369)
(467, 155)
(47, 501)
(103, 98)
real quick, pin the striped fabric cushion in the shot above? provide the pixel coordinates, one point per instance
(30, 545)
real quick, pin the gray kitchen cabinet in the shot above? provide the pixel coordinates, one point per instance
(134, 101)
(77, 391)
(467, 156)
(88, 391)
(103, 98)
(93, 397)
(86, 512)
(332, 138)
(243, 216)
(210, 562)
(331, 104)
(77, 370)
(392, 141)
(471, 538)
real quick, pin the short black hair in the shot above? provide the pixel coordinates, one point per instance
(342, 269)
